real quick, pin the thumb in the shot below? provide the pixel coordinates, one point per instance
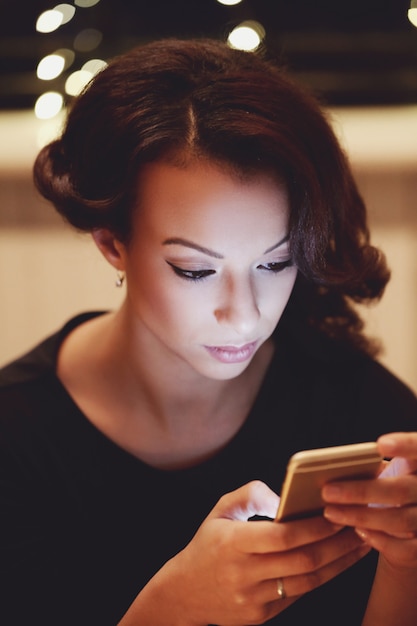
(254, 498)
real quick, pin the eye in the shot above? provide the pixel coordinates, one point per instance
(191, 274)
(276, 266)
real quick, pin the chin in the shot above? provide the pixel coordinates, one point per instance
(224, 372)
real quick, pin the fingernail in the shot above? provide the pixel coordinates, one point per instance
(362, 534)
(333, 514)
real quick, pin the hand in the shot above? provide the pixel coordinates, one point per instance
(390, 528)
(228, 573)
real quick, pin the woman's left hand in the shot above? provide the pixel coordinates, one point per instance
(389, 523)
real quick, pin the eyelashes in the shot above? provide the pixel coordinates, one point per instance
(197, 275)
(191, 274)
(276, 266)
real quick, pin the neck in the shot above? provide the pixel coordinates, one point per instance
(148, 401)
(172, 391)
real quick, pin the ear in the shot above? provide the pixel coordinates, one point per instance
(111, 248)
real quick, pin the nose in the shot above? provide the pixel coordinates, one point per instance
(238, 306)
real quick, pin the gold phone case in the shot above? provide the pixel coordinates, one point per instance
(309, 470)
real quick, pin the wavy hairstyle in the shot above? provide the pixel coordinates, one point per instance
(183, 99)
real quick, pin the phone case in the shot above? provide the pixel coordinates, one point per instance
(309, 470)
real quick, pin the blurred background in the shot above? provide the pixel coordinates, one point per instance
(359, 57)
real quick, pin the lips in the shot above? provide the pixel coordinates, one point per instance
(232, 354)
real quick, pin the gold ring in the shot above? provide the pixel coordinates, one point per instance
(280, 589)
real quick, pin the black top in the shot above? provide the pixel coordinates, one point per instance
(84, 524)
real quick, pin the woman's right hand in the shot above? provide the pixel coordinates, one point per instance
(228, 574)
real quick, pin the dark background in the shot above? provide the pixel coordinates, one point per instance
(348, 51)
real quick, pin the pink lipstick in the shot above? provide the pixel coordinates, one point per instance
(232, 354)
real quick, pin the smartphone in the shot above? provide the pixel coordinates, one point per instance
(309, 470)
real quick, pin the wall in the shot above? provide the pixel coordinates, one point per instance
(48, 273)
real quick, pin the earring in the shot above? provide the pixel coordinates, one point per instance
(120, 279)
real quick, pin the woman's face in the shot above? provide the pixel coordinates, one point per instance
(208, 268)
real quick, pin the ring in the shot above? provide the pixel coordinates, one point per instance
(280, 589)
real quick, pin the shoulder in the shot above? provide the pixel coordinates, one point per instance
(378, 391)
(41, 359)
(320, 356)
(29, 388)
(344, 389)
(40, 426)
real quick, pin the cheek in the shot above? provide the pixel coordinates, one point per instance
(163, 302)
(147, 292)
(175, 305)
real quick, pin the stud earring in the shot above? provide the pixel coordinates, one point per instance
(120, 279)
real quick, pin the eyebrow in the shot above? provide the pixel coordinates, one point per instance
(277, 245)
(179, 241)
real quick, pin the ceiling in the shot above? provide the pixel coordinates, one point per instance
(351, 52)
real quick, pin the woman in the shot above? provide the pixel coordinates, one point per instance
(136, 445)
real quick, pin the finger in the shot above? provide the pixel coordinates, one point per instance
(398, 444)
(400, 521)
(397, 491)
(394, 549)
(298, 585)
(255, 498)
(261, 602)
(304, 583)
(271, 537)
(307, 558)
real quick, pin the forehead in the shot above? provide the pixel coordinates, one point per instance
(203, 200)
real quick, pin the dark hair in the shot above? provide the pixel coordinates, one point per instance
(174, 99)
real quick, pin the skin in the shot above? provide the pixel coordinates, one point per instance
(208, 275)
(189, 347)
(208, 265)
(391, 529)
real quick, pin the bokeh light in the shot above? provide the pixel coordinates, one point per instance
(67, 10)
(86, 3)
(246, 36)
(94, 66)
(76, 82)
(48, 105)
(229, 3)
(50, 67)
(88, 39)
(412, 15)
(48, 21)
(68, 56)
